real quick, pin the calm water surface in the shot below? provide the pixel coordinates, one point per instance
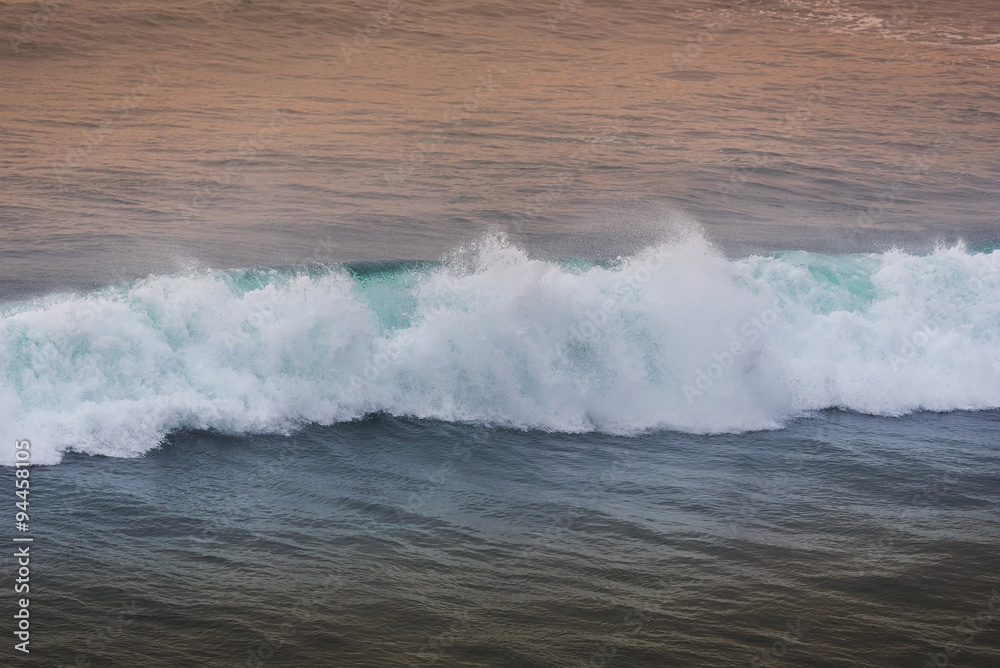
(127, 129)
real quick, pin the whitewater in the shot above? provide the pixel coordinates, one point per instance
(674, 337)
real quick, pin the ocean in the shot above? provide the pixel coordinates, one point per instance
(566, 333)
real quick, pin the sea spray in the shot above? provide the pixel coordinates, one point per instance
(498, 339)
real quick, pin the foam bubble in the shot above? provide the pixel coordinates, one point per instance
(675, 337)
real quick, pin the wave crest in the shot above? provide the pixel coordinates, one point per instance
(674, 337)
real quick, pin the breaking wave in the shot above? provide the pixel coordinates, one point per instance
(676, 337)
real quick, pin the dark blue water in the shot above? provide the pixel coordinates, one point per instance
(842, 540)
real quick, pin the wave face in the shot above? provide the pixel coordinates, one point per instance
(676, 337)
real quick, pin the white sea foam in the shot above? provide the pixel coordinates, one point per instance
(675, 337)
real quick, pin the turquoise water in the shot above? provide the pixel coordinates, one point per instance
(676, 337)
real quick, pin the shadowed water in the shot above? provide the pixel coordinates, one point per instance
(840, 541)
